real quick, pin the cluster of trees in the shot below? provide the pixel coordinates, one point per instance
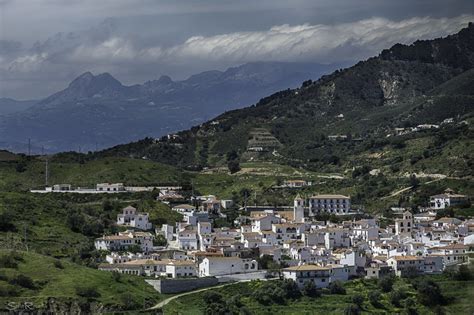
(233, 163)
(277, 292)
(216, 304)
(6, 221)
(270, 292)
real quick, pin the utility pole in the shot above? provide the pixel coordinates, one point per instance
(26, 240)
(192, 193)
(29, 146)
(46, 172)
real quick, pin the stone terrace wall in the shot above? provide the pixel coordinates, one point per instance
(181, 285)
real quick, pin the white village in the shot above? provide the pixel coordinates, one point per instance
(297, 245)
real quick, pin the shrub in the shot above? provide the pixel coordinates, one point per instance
(210, 297)
(352, 309)
(23, 281)
(463, 273)
(128, 302)
(410, 306)
(397, 296)
(160, 240)
(58, 264)
(9, 290)
(311, 290)
(386, 283)
(215, 303)
(429, 293)
(87, 292)
(358, 299)
(291, 289)
(7, 261)
(233, 166)
(6, 225)
(374, 299)
(116, 276)
(336, 287)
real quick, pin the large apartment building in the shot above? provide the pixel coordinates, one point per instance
(336, 204)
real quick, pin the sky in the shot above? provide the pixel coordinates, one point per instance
(44, 44)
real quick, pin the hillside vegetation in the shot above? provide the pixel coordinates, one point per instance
(27, 277)
(361, 296)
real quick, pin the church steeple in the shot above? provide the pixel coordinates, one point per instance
(298, 209)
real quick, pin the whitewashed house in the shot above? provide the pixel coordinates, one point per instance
(218, 266)
(188, 239)
(130, 217)
(321, 276)
(124, 241)
(403, 265)
(108, 187)
(448, 199)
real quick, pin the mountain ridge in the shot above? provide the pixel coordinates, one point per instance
(98, 111)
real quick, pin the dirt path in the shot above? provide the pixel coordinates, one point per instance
(398, 192)
(166, 301)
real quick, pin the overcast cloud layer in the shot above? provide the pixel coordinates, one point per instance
(45, 43)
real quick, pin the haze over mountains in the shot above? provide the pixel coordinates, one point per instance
(97, 111)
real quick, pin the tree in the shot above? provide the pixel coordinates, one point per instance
(58, 264)
(291, 289)
(160, 240)
(358, 299)
(215, 303)
(128, 302)
(429, 293)
(375, 298)
(352, 309)
(117, 276)
(336, 287)
(267, 262)
(87, 292)
(397, 296)
(311, 290)
(463, 273)
(233, 166)
(414, 181)
(20, 166)
(386, 283)
(6, 224)
(23, 281)
(410, 306)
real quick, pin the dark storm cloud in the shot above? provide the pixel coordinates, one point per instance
(142, 39)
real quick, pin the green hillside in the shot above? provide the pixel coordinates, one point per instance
(27, 277)
(424, 83)
(24, 173)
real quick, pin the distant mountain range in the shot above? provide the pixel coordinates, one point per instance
(10, 106)
(97, 111)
